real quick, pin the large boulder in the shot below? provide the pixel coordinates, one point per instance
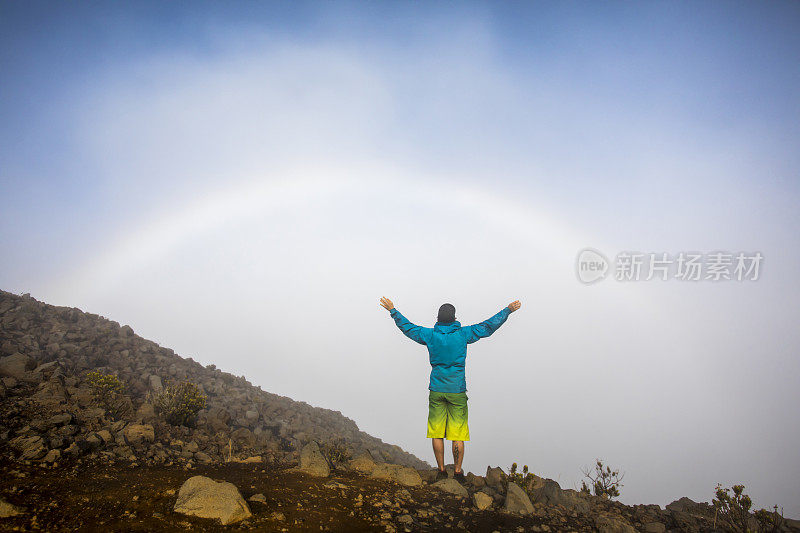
(482, 500)
(218, 419)
(313, 462)
(452, 486)
(155, 383)
(405, 475)
(8, 510)
(33, 447)
(205, 498)
(243, 437)
(549, 492)
(138, 433)
(15, 365)
(517, 501)
(363, 464)
(495, 477)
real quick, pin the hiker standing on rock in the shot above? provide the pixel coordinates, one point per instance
(447, 350)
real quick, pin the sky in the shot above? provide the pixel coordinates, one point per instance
(243, 181)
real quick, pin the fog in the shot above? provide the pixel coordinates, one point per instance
(245, 196)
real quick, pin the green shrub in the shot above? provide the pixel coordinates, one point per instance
(336, 451)
(108, 392)
(605, 482)
(770, 522)
(733, 511)
(520, 479)
(179, 403)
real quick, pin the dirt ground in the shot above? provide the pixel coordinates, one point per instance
(121, 497)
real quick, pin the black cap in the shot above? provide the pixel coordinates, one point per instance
(447, 313)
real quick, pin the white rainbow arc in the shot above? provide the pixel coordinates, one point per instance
(300, 186)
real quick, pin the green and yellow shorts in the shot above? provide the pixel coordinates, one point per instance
(447, 415)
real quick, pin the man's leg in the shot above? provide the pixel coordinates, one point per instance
(438, 451)
(458, 454)
(437, 423)
(458, 426)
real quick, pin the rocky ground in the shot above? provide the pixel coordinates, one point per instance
(251, 461)
(139, 498)
(127, 496)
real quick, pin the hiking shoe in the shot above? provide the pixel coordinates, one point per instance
(440, 475)
(459, 476)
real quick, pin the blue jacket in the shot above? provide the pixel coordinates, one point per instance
(447, 347)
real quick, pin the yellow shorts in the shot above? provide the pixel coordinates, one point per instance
(447, 415)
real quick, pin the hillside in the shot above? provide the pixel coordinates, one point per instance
(251, 460)
(69, 342)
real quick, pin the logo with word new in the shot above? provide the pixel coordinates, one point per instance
(592, 266)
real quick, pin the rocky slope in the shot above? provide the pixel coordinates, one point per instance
(47, 350)
(252, 461)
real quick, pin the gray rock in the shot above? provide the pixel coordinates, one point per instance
(363, 464)
(475, 481)
(8, 510)
(32, 447)
(60, 419)
(260, 498)
(15, 365)
(406, 519)
(495, 477)
(52, 456)
(139, 433)
(155, 383)
(94, 440)
(427, 474)
(313, 462)
(205, 498)
(405, 475)
(549, 492)
(452, 486)
(244, 437)
(516, 500)
(202, 457)
(482, 500)
(77, 448)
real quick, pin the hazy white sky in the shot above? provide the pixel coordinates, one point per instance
(243, 184)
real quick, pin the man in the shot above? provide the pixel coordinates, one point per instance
(447, 351)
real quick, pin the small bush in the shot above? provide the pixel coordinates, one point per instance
(770, 522)
(733, 511)
(336, 451)
(108, 393)
(179, 403)
(605, 482)
(520, 479)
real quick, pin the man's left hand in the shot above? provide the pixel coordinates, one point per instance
(387, 303)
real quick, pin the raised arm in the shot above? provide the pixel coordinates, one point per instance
(412, 331)
(487, 327)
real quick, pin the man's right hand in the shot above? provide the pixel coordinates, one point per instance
(514, 305)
